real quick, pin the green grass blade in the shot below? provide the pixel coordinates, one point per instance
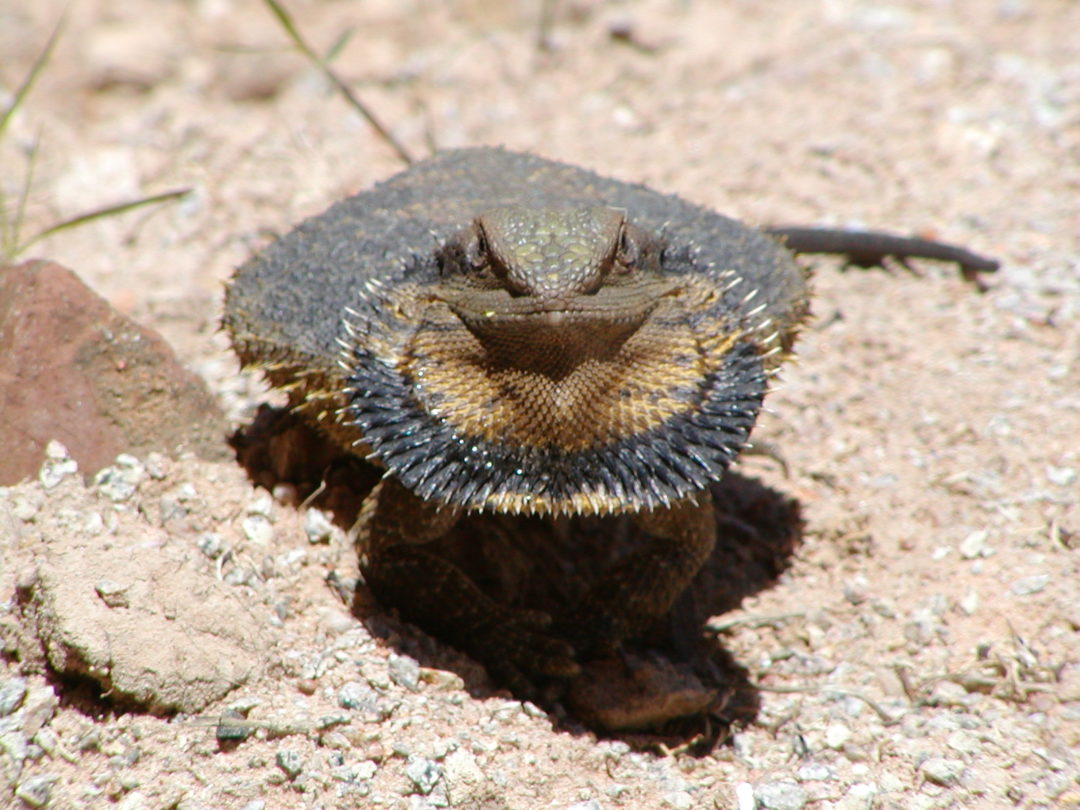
(290, 28)
(287, 23)
(30, 78)
(101, 213)
(339, 45)
(10, 230)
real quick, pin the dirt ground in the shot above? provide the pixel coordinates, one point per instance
(921, 651)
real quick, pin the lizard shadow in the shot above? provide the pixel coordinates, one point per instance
(677, 680)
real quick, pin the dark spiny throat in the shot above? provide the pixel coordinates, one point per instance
(552, 368)
(636, 468)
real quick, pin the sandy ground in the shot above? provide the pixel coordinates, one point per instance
(922, 650)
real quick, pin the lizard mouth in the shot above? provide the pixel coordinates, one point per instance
(610, 303)
(555, 332)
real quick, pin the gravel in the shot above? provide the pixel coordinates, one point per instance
(927, 430)
(780, 796)
(12, 692)
(290, 762)
(941, 771)
(36, 790)
(423, 773)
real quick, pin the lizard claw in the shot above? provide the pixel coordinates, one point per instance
(519, 640)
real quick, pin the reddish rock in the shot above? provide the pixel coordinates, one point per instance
(74, 369)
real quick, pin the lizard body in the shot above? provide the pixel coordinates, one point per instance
(506, 335)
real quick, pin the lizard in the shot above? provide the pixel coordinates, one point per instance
(503, 334)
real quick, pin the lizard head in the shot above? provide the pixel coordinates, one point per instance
(554, 365)
(546, 289)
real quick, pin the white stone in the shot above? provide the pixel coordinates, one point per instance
(257, 529)
(837, 735)
(974, 545)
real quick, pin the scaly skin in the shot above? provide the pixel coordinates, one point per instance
(505, 334)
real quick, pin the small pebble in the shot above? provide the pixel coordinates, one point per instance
(814, 772)
(423, 773)
(963, 742)
(1030, 585)
(744, 796)
(112, 593)
(240, 575)
(258, 529)
(781, 796)
(94, 523)
(12, 692)
(26, 509)
(135, 800)
(461, 770)
(36, 790)
(883, 608)
(286, 494)
(532, 710)
(262, 504)
(14, 745)
(232, 725)
(837, 735)
(120, 481)
(356, 695)
(290, 762)
(211, 544)
(404, 671)
(173, 504)
(451, 681)
(941, 771)
(968, 603)
(244, 705)
(974, 545)
(948, 693)
(1061, 476)
(860, 794)
(591, 804)
(922, 628)
(317, 526)
(292, 557)
(157, 466)
(855, 591)
(365, 770)
(55, 451)
(677, 800)
(57, 466)
(39, 706)
(337, 621)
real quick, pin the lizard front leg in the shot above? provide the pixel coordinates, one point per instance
(439, 597)
(640, 589)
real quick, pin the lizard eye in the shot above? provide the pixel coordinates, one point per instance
(467, 255)
(628, 253)
(470, 257)
(476, 252)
